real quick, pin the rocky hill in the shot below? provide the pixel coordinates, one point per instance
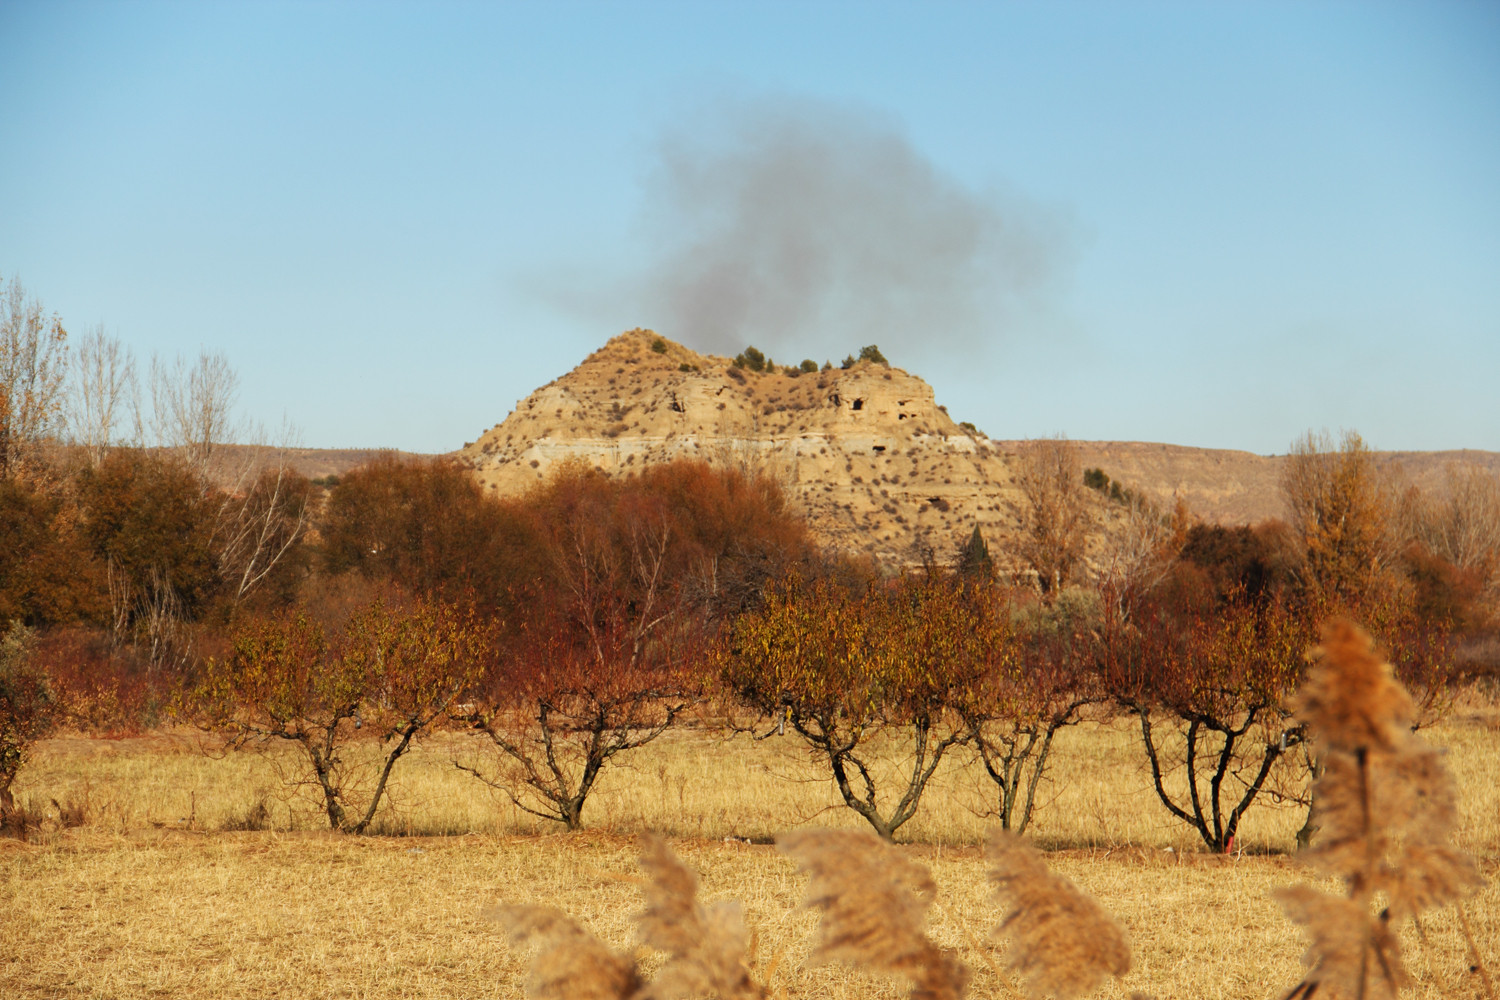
(866, 452)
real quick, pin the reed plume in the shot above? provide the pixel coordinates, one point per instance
(707, 945)
(569, 963)
(1061, 939)
(873, 903)
(1386, 809)
(1351, 698)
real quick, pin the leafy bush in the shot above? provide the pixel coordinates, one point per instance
(102, 686)
(27, 710)
(750, 358)
(427, 526)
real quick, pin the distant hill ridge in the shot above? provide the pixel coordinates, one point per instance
(1240, 487)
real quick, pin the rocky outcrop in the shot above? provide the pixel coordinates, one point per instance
(875, 464)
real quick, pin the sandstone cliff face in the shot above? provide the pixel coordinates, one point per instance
(872, 460)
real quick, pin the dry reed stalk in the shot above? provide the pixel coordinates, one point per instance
(1484, 975)
(1386, 810)
(873, 903)
(1061, 939)
(570, 963)
(707, 945)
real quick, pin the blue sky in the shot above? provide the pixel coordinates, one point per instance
(1209, 224)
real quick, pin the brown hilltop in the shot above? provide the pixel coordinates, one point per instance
(876, 465)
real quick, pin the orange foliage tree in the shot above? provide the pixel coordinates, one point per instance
(392, 672)
(843, 670)
(1342, 509)
(46, 575)
(1209, 692)
(428, 526)
(1035, 676)
(148, 520)
(734, 533)
(561, 702)
(629, 578)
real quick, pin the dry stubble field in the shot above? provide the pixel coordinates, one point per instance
(151, 897)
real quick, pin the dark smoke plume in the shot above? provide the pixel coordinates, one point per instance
(808, 228)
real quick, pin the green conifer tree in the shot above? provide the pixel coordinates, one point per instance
(974, 558)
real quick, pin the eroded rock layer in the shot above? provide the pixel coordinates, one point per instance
(868, 455)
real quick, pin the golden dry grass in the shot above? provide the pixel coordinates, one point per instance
(150, 898)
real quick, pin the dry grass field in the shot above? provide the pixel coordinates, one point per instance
(153, 897)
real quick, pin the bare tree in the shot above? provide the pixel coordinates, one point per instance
(1463, 525)
(259, 521)
(103, 380)
(192, 407)
(33, 363)
(1140, 550)
(1054, 512)
(261, 502)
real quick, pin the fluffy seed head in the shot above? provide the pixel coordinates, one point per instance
(1352, 954)
(570, 963)
(1351, 698)
(707, 945)
(1061, 939)
(874, 902)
